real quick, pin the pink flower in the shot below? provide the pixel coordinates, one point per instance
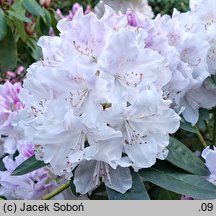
(10, 105)
(9, 102)
(25, 148)
(33, 185)
(70, 15)
(15, 76)
(186, 198)
(131, 18)
(72, 12)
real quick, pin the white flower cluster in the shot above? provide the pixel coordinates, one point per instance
(140, 6)
(187, 41)
(103, 97)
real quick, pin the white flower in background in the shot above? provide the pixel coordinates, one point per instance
(205, 10)
(189, 49)
(140, 6)
(10, 106)
(211, 57)
(203, 18)
(192, 48)
(193, 4)
(210, 158)
(182, 36)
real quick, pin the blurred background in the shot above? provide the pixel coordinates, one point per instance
(22, 22)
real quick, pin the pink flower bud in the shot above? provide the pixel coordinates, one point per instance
(10, 74)
(131, 18)
(51, 32)
(20, 70)
(76, 7)
(88, 9)
(59, 13)
(45, 3)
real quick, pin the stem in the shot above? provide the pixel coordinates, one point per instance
(207, 128)
(200, 137)
(57, 191)
(214, 128)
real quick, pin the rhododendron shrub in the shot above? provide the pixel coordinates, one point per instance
(107, 105)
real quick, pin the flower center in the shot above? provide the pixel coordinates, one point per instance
(134, 136)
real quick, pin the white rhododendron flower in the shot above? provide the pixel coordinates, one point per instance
(87, 176)
(205, 10)
(210, 158)
(189, 48)
(106, 96)
(145, 125)
(95, 102)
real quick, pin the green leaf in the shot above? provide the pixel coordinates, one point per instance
(2, 166)
(3, 198)
(21, 30)
(28, 166)
(137, 192)
(182, 157)
(18, 11)
(203, 116)
(187, 127)
(24, 53)
(33, 7)
(99, 197)
(36, 51)
(47, 18)
(3, 25)
(159, 193)
(99, 193)
(171, 178)
(19, 16)
(73, 188)
(43, 27)
(94, 3)
(8, 52)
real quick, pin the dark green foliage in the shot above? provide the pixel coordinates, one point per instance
(28, 166)
(182, 157)
(8, 52)
(171, 178)
(137, 192)
(166, 6)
